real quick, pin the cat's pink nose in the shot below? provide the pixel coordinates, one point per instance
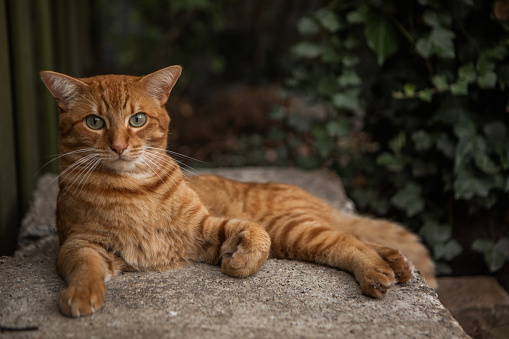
(119, 148)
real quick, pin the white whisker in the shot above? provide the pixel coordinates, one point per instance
(63, 155)
(183, 166)
(176, 154)
(146, 161)
(65, 173)
(162, 163)
(81, 173)
(87, 174)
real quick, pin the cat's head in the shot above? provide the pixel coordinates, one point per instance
(116, 120)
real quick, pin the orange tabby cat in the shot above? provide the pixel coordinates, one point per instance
(124, 204)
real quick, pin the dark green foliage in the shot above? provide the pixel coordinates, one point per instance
(427, 81)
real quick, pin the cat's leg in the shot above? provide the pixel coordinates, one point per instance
(311, 239)
(241, 246)
(85, 266)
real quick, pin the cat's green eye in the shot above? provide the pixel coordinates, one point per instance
(138, 120)
(94, 122)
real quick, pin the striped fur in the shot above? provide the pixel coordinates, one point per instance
(124, 204)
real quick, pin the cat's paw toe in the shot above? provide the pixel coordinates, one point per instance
(399, 264)
(78, 301)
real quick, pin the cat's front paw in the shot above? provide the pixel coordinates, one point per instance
(243, 263)
(81, 300)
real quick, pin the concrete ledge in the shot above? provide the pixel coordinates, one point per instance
(284, 299)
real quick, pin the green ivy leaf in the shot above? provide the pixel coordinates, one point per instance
(484, 163)
(431, 19)
(484, 65)
(348, 100)
(391, 162)
(446, 145)
(409, 199)
(381, 36)
(465, 129)
(349, 78)
(368, 198)
(422, 140)
(354, 17)
(502, 247)
(409, 89)
(443, 42)
(464, 151)
(426, 95)
(440, 82)
(306, 50)
(424, 46)
(439, 42)
(467, 73)
(329, 20)
(459, 88)
(482, 245)
(447, 250)
(339, 127)
(350, 61)
(307, 26)
(495, 255)
(487, 80)
(466, 186)
(435, 234)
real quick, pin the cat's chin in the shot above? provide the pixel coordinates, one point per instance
(122, 166)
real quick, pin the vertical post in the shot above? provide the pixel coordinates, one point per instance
(25, 80)
(47, 109)
(9, 204)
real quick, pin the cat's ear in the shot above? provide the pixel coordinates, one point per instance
(63, 87)
(160, 83)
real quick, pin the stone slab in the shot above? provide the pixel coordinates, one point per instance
(285, 299)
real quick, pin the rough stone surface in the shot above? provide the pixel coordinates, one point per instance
(479, 304)
(284, 299)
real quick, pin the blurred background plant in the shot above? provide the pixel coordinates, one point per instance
(425, 83)
(406, 100)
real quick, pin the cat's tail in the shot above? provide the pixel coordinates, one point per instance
(392, 235)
